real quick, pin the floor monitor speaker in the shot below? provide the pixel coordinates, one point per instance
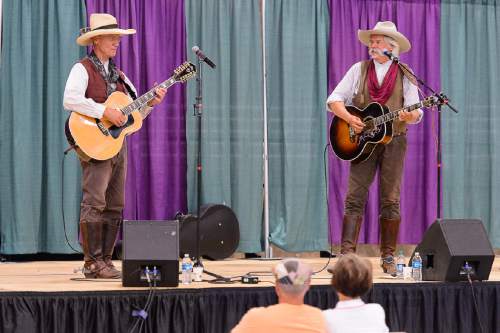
(449, 244)
(150, 247)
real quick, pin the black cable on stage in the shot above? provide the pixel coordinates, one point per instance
(148, 305)
(476, 307)
(29, 275)
(145, 309)
(138, 318)
(260, 273)
(269, 273)
(327, 210)
(62, 209)
(62, 206)
(218, 278)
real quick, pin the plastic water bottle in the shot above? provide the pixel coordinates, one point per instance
(416, 265)
(400, 264)
(186, 269)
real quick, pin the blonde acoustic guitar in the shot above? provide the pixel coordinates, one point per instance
(100, 139)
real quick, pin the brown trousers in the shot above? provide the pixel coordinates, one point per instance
(103, 186)
(389, 159)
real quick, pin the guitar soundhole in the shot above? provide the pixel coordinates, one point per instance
(370, 131)
(370, 134)
(115, 131)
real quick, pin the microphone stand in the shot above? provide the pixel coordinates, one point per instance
(198, 112)
(443, 99)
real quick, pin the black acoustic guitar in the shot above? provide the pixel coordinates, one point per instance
(378, 119)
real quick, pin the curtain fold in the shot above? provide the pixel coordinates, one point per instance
(228, 32)
(156, 174)
(0, 30)
(419, 21)
(296, 47)
(471, 77)
(39, 49)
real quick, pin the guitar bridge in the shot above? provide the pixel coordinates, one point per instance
(352, 135)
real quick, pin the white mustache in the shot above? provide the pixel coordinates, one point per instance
(375, 51)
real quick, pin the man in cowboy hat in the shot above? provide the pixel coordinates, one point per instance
(377, 80)
(89, 84)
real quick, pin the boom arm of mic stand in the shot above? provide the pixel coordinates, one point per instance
(442, 97)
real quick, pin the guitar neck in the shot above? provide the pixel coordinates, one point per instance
(395, 114)
(144, 99)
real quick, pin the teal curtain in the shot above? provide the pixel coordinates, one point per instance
(0, 28)
(228, 31)
(38, 50)
(297, 45)
(470, 75)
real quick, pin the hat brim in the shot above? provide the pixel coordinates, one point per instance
(404, 43)
(86, 38)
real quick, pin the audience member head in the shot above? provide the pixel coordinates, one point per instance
(293, 279)
(352, 276)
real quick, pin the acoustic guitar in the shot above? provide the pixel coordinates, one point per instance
(99, 138)
(357, 147)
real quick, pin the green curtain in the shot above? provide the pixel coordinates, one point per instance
(297, 40)
(470, 75)
(228, 31)
(38, 50)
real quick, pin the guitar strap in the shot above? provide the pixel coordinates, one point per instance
(129, 89)
(409, 76)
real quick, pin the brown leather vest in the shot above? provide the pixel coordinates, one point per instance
(395, 101)
(96, 88)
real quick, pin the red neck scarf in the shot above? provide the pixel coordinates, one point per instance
(381, 93)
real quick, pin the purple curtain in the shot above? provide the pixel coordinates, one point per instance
(419, 22)
(156, 178)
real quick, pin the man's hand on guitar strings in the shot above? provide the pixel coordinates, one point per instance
(356, 123)
(115, 116)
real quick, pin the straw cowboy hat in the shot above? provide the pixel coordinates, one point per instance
(101, 24)
(385, 28)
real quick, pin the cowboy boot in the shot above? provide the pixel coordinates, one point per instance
(389, 229)
(110, 231)
(94, 266)
(350, 233)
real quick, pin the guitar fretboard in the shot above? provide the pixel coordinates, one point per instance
(395, 114)
(144, 99)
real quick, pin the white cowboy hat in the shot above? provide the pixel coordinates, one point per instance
(385, 28)
(101, 24)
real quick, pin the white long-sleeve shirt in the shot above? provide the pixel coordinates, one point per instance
(74, 93)
(355, 316)
(347, 88)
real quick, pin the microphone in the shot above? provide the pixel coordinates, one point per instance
(389, 55)
(202, 56)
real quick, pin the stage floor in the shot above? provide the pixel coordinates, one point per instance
(57, 276)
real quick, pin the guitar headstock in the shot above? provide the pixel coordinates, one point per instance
(184, 72)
